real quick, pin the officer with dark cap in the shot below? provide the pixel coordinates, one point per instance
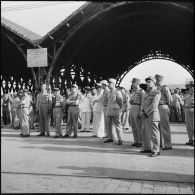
(58, 108)
(164, 104)
(151, 118)
(73, 111)
(136, 103)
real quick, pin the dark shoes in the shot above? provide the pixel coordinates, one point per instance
(154, 154)
(75, 136)
(105, 137)
(145, 151)
(108, 140)
(139, 145)
(65, 136)
(41, 134)
(135, 144)
(57, 136)
(25, 135)
(48, 134)
(167, 148)
(120, 143)
(189, 143)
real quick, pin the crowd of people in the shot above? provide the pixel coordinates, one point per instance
(108, 109)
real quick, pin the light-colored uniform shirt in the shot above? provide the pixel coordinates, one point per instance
(189, 102)
(25, 102)
(44, 98)
(137, 97)
(176, 99)
(166, 97)
(105, 97)
(85, 103)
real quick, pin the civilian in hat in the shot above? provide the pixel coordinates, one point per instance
(58, 108)
(98, 114)
(24, 113)
(115, 103)
(136, 103)
(164, 109)
(44, 107)
(105, 105)
(189, 113)
(73, 111)
(86, 109)
(151, 118)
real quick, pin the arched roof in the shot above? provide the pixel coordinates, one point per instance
(113, 36)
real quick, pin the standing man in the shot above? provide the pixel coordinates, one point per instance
(136, 103)
(73, 111)
(189, 113)
(115, 103)
(58, 107)
(6, 109)
(151, 118)
(24, 113)
(44, 107)
(14, 106)
(164, 104)
(105, 105)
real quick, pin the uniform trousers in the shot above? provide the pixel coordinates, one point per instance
(136, 123)
(6, 117)
(105, 121)
(72, 121)
(151, 135)
(164, 125)
(32, 117)
(85, 120)
(177, 112)
(189, 117)
(115, 120)
(98, 124)
(44, 122)
(57, 120)
(13, 113)
(25, 121)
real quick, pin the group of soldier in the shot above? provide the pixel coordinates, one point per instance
(146, 109)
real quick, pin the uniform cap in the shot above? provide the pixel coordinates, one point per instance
(98, 85)
(151, 78)
(104, 82)
(112, 81)
(159, 77)
(25, 90)
(87, 88)
(56, 89)
(74, 86)
(135, 80)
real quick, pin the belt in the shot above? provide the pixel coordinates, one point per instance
(105, 105)
(24, 107)
(57, 106)
(135, 104)
(73, 105)
(162, 104)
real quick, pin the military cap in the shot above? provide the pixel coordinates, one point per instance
(151, 78)
(111, 80)
(92, 88)
(135, 80)
(87, 88)
(98, 85)
(74, 86)
(56, 89)
(159, 77)
(104, 82)
(25, 90)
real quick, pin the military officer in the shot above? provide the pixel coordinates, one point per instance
(189, 113)
(58, 108)
(115, 103)
(44, 107)
(151, 118)
(105, 104)
(25, 105)
(164, 104)
(136, 103)
(73, 111)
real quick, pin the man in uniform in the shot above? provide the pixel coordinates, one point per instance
(164, 104)
(136, 103)
(105, 104)
(189, 113)
(24, 113)
(151, 118)
(115, 103)
(44, 107)
(73, 111)
(58, 108)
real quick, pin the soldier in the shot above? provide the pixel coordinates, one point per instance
(44, 107)
(189, 113)
(151, 118)
(58, 108)
(164, 104)
(136, 103)
(105, 105)
(115, 103)
(73, 111)
(24, 113)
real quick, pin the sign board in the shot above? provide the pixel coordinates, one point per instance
(37, 57)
